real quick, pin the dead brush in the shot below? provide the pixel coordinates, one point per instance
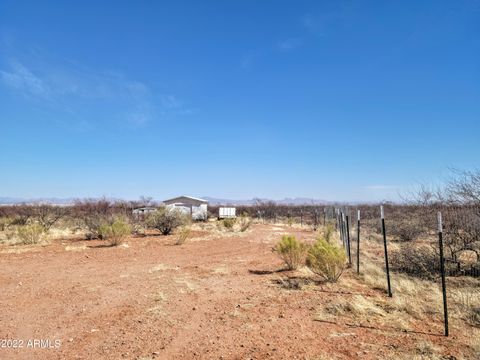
(244, 223)
(357, 308)
(467, 303)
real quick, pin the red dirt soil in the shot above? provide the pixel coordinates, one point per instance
(215, 297)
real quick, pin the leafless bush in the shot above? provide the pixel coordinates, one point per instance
(48, 215)
(93, 214)
(421, 261)
(405, 229)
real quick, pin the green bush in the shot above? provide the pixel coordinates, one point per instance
(30, 234)
(166, 220)
(291, 251)
(327, 260)
(116, 232)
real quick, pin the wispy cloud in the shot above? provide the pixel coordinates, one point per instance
(22, 79)
(289, 44)
(382, 187)
(75, 90)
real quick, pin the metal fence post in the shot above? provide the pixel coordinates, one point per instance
(358, 242)
(348, 241)
(387, 269)
(442, 271)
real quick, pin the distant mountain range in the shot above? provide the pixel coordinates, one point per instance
(55, 201)
(211, 200)
(286, 201)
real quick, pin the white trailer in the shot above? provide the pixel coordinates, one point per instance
(226, 212)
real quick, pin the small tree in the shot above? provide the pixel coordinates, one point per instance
(291, 251)
(166, 220)
(116, 232)
(326, 260)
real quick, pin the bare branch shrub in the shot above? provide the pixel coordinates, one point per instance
(48, 215)
(419, 261)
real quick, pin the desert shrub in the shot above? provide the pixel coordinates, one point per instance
(166, 220)
(228, 223)
(30, 234)
(93, 214)
(467, 302)
(5, 222)
(116, 232)
(405, 230)
(291, 251)
(183, 235)
(244, 223)
(328, 232)
(419, 261)
(327, 260)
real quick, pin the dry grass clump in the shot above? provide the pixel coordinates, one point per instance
(244, 223)
(467, 304)
(356, 308)
(291, 251)
(183, 235)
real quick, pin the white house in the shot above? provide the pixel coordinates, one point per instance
(190, 205)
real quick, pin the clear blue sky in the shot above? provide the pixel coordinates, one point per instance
(337, 100)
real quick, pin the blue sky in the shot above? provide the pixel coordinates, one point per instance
(337, 100)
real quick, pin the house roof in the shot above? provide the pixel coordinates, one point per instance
(185, 197)
(145, 208)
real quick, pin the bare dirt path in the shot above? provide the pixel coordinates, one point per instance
(214, 297)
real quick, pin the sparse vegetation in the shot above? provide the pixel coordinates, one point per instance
(116, 232)
(327, 260)
(30, 234)
(244, 222)
(291, 251)
(183, 235)
(228, 223)
(166, 220)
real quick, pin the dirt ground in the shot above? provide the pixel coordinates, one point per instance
(218, 296)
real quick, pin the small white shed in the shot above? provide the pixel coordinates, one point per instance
(226, 212)
(143, 212)
(196, 207)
